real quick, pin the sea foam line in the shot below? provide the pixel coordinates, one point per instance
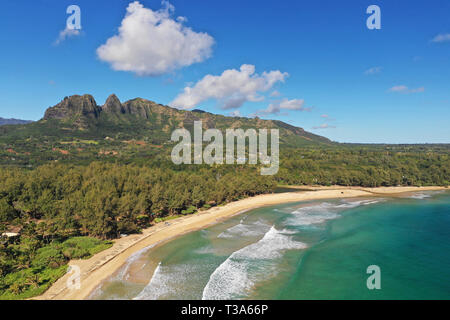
(122, 274)
(245, 230)
(320, 213)
(238, 274)
(143, 294)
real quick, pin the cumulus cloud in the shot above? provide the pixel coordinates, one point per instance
(324, 126)
(401, 88)
(151, 43)
(283, 105)
(405, 89)
(235, 113)
(286, 104)
(441, 38)
(231, 89)
(66, 33)
(373, 70)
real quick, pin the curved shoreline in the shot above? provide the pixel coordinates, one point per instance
(105, 263)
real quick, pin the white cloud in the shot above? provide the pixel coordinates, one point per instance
(275, 94)
(235, 113)
(66, 33)
(152, 43)
(324, 126)
(231, 89)
(285, 104)
(326, 116)
(373, 70)
(398, 89)
(441, 38)
(405, 89)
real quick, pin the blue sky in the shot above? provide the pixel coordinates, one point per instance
(335, 77)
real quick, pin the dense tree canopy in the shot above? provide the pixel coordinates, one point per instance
(369, 166)
(54, 204)
(68, 209)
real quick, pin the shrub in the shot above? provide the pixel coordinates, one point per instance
(48, 256)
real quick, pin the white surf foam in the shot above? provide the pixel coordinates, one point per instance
(353, 204)
(319, 213)
(255, 262)
(175, 281)
(123, 273)
(314, 214)
(420, 196)
(144, 294)
(245, 230)
(373, 202)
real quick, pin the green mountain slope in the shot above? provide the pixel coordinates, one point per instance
(78, 129)
(83, 113)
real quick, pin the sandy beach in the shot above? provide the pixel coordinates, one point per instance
(104, 264)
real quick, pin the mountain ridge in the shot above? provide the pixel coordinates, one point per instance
(12, 121)
(83, 112)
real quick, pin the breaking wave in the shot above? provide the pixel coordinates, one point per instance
(420, 196)
(175, 281)
(320, 213)
(245, 230)
(235, 277)
(315, 214)
(155, 281)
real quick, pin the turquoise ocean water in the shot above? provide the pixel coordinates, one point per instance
(306, 250)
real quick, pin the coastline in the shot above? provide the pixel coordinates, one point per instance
(105, 263)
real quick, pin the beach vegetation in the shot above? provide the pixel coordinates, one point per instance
(29, 265)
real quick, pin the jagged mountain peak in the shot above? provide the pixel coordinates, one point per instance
(84, 113)
(72, 106)
(113, 105)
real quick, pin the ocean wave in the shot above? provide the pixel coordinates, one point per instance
(319, 213)
(175, 281)
(146, 293)
(420, 196)
(238, 274)
(373, 202)
(245, 230)
(123, 273)
(314, 214)
(205, 250)
(424, 194)
(356, 203)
